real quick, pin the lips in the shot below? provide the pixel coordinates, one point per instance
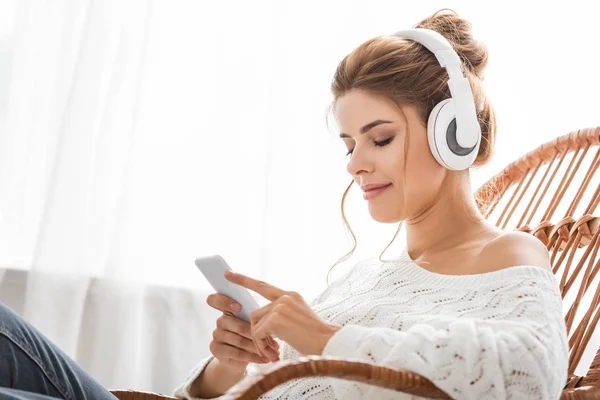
(374, 191)
(370, 187)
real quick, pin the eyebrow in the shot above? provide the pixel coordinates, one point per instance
(367, 127)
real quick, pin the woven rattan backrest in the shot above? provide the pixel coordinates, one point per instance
(552, 192)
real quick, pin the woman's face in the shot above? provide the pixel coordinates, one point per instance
(378, 155)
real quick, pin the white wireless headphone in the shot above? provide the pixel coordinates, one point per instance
(453, 131)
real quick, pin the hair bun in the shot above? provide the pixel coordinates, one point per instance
(458, 31)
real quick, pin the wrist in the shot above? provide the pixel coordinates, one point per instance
(215, 380)
(229, 370)
(329, 332)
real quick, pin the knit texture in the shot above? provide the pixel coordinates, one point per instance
(497, 335)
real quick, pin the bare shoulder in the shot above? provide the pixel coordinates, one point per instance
(513, 249)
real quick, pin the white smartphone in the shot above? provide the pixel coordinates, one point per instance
(213, 268)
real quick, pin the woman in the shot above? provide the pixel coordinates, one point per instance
(471, 307)
(481, 316)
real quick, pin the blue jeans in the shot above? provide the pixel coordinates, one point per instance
(33, 368)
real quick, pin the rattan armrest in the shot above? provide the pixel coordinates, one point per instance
(581, 393)
(400, 380)
(272, 376)
(136, 395)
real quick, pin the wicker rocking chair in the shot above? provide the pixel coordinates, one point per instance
(551, 192)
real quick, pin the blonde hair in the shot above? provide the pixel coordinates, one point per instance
(406, 73)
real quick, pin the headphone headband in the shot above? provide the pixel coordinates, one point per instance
(467, 126)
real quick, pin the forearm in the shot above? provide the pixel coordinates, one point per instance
(469, 359)
(214, 381)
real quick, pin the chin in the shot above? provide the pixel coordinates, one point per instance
(385, 216)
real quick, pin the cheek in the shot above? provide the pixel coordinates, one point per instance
(393, 161)
(424, 183)
(423, 174)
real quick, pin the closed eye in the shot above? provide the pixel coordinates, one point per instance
(376, 143)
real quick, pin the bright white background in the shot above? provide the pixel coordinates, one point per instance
(136, 136)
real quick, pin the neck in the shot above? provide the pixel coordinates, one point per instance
(451, 221)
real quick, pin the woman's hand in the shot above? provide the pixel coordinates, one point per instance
(288, 316)
(232, 342)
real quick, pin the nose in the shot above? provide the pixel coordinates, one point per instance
(359, 163)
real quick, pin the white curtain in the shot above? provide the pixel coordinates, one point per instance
(136, 136)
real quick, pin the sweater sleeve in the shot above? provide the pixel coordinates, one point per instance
(183, 390)
(516, 350)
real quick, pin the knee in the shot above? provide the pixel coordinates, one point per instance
(8, 359)
(9, 320)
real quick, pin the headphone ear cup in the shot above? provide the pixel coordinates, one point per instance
(434, 123)
(441, 135)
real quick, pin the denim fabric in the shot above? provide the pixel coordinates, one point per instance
(16, 394)
(32, 367)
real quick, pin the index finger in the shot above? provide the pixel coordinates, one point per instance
(267, 291)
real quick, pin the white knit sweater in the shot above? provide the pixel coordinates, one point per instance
(497, 335)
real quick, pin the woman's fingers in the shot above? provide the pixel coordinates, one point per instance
(236, 325)
(242, 328)
(240, 331)
(233, 339)
(272, 342)
(272, 354)
(226, 351)
(268, 351)
(223, 303)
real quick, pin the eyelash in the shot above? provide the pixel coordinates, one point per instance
(376, 143)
